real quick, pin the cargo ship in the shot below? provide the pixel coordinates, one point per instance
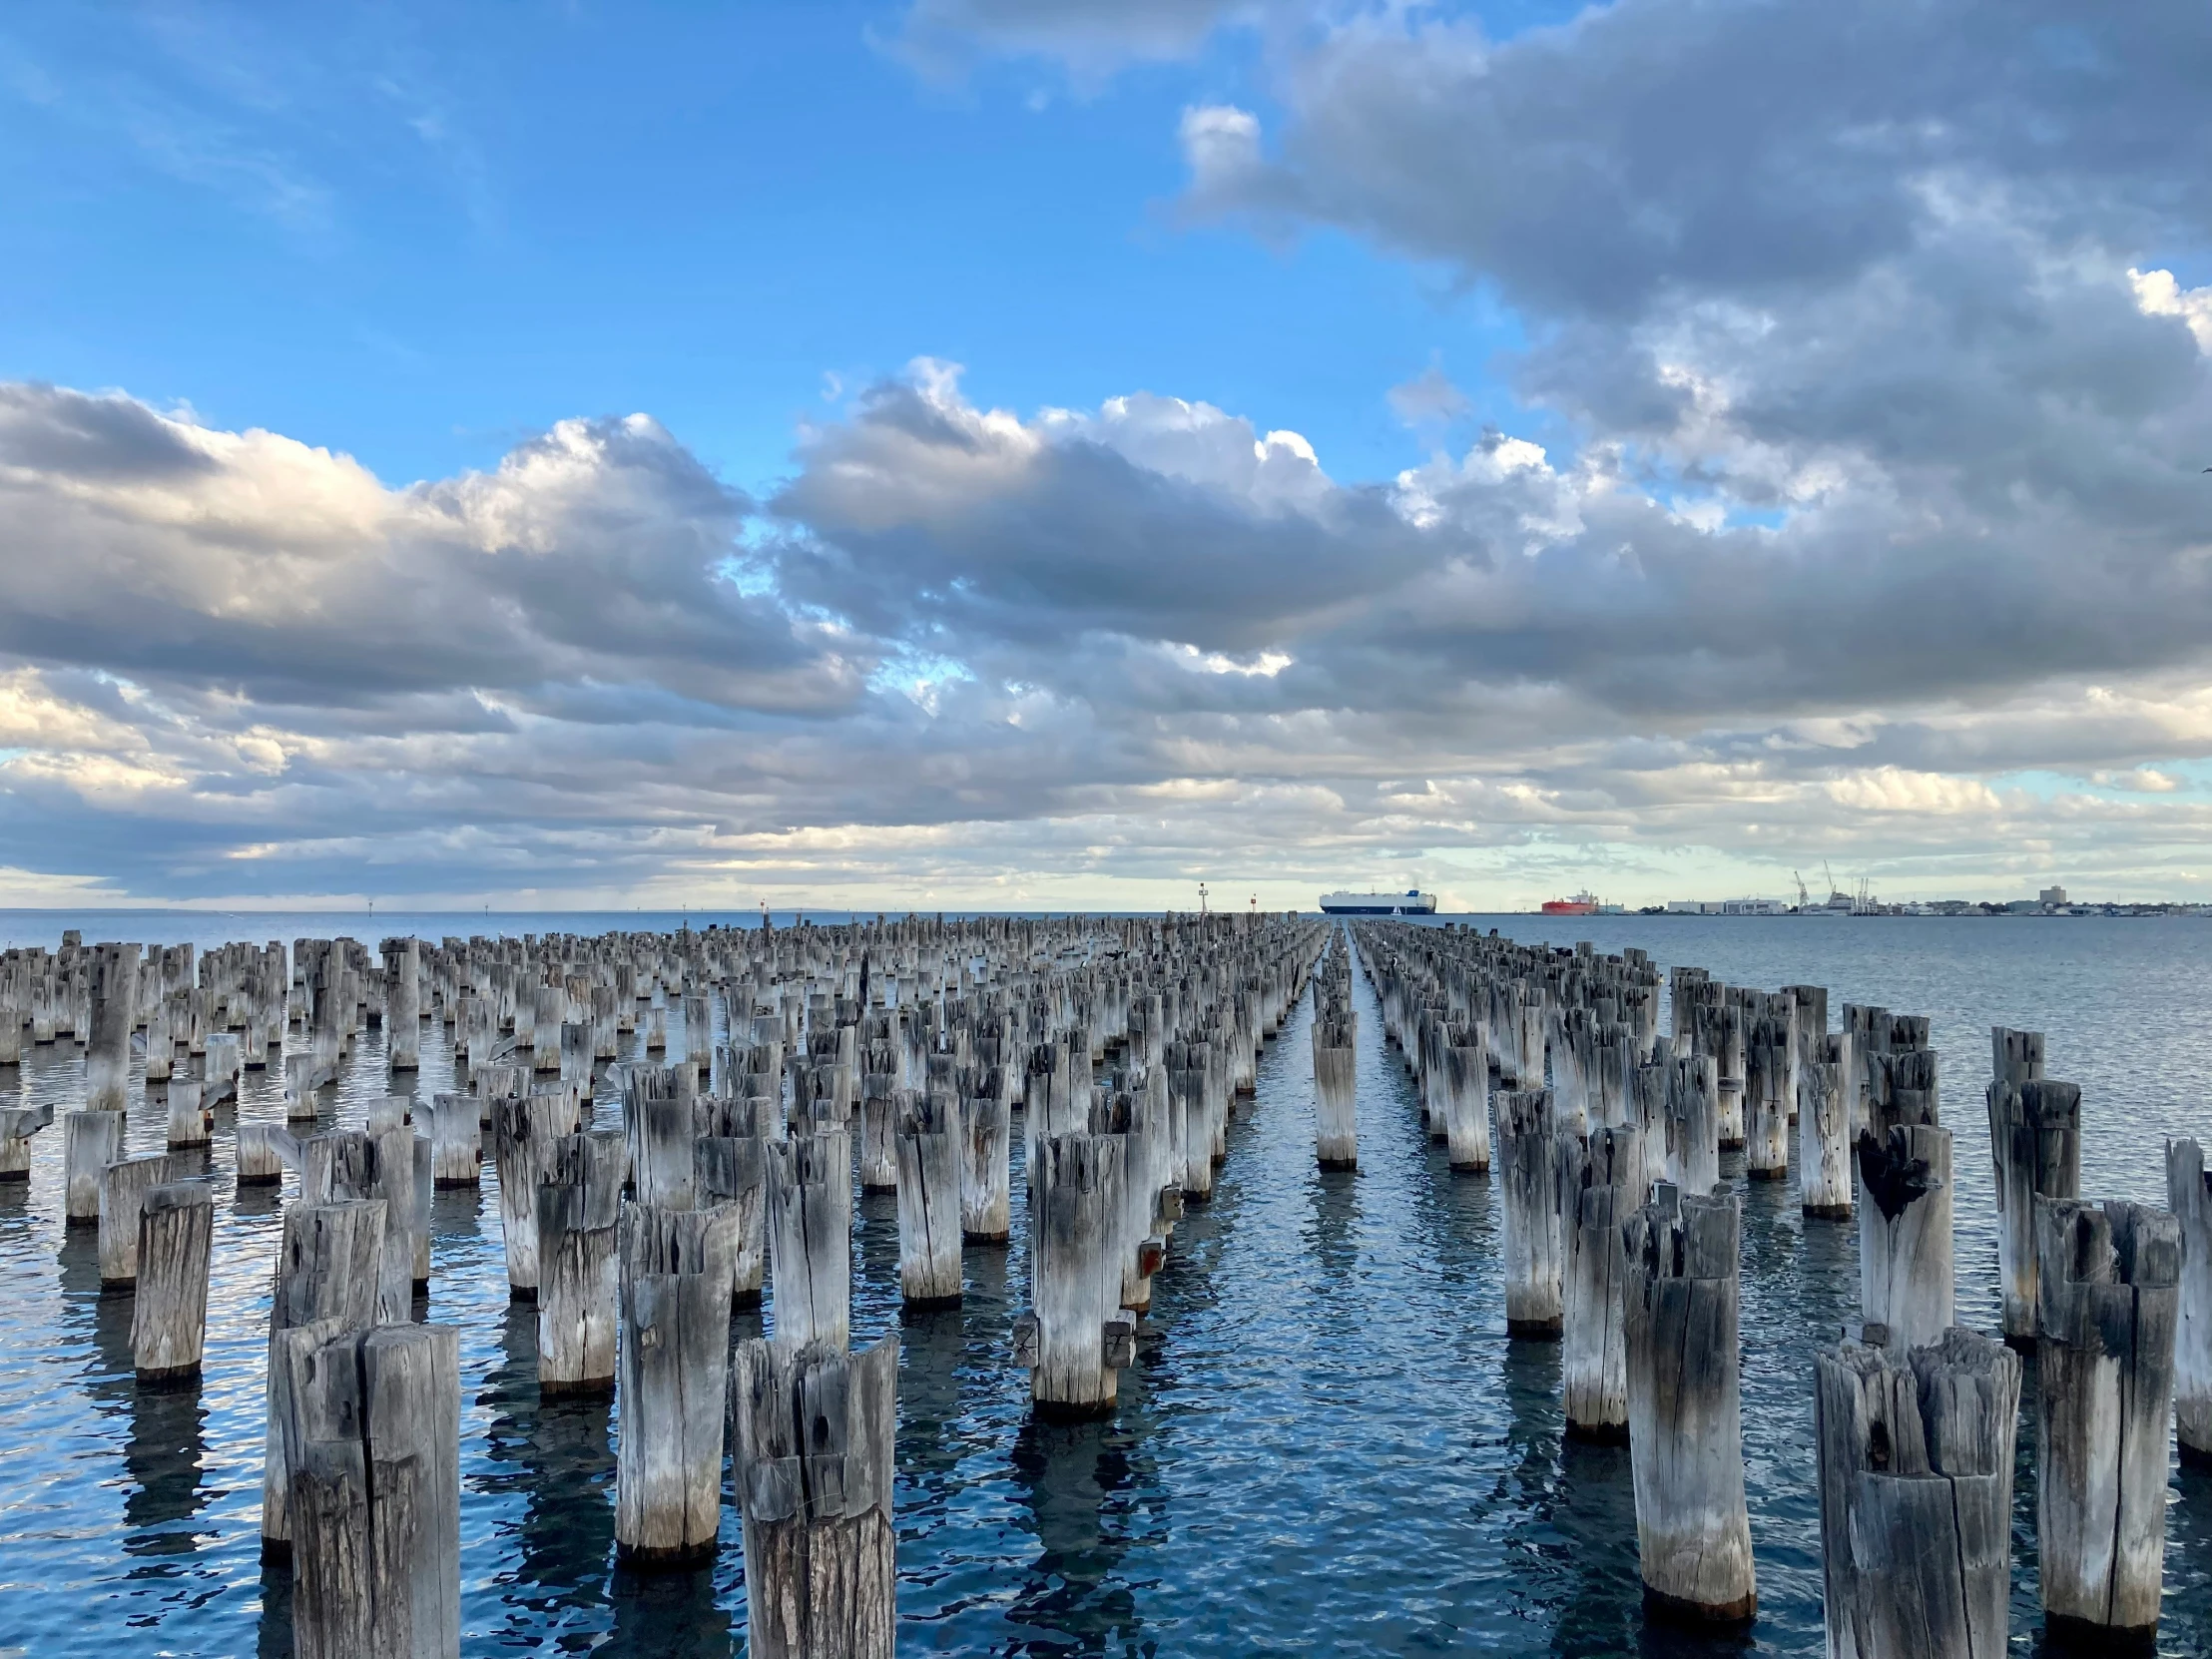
(1410, 902)
(1581, 905)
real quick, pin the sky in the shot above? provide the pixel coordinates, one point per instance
(1003, 454)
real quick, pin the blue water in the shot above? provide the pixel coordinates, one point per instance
(1327, 1444)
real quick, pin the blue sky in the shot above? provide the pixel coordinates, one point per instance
(1050, 453)
(425, 231)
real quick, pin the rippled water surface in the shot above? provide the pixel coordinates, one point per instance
(1327, 1444)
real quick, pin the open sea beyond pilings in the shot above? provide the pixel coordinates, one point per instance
(1327, 1444)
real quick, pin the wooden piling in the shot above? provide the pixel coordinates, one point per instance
(114, 1015)
(1824, 1131)
(1335, 1090)
(986, 1179)
(2035, 1145)
(810, 1230)
(123, 1185)
(456, 1141)
(930, 1160)
(2108, 1304)
(1074, 1339)
(675, 1364)
(1915, 1452)
(579, 1204)
(2189, 1196)
(1527, 1150)
(91, 1140)
(1905, 1277)
(732, 1171)
(263, 1150)
(815, 1430)
(327, 1270)
(1685, 1408)
(372, 1437)
(1467, 1101)
(17, 1125)
(1602, 1184)
(169, 1314)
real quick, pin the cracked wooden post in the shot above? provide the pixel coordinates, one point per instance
(456, 1141)
(523, 1132)
(1467, 1101)
(220, 1070)
(810, 1230)
(115, 985)
(881, 1101)
(91, 1140)
(327, 1267)
(1602, 1184)
(676, 1268)
(986, 1176)
(2036, 1146)
(1685, 1408)
(1906, 1279)
(1075, 1338)
(1528, 1179)
(732, 1171)
(1915, 1482)
(2189, 1196)
(17, 1125)
(123, 1185)
(815, 1429)
(579, 1204)
(929, 1158)
(169, 1314)
(1824, 1130)
(2107, 1302)
(660, 1117)
(1693, 1124)
(372, 1434)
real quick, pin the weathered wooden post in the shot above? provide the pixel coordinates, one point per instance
(1527, 1151)
(1467, 1101)
(880, 1103)
(1770, 1067)
(263, 1150)
(523, 1132)
(814, 1433)
(2189, 1194)
(2035, 1144)
(986, 1178)
(1916, 1465)
(2107, 1302)
(1906, 1280)
(660, 1116)
(578, 1203)
(327, 1270)
(1335, 1089)
(1075, 1339)
(354, 1164)
(168, 1315)
(91, 1140)
(123, 1185)
(1824, 1130)
(403, 1004)
(191, 1123)
(732, 1171)
(17, 1125)
(456, 1141)
(372, 1437)
(810, 1230)
(114, 1016)
(1693, 1122)
(676, 1268)
(1602, 1184)
(1685, 1408)
(929, 1157)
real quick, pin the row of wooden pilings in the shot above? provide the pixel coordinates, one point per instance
(904, 1048)
(1620, 1241)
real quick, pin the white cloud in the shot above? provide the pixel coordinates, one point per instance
(2158, 295)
